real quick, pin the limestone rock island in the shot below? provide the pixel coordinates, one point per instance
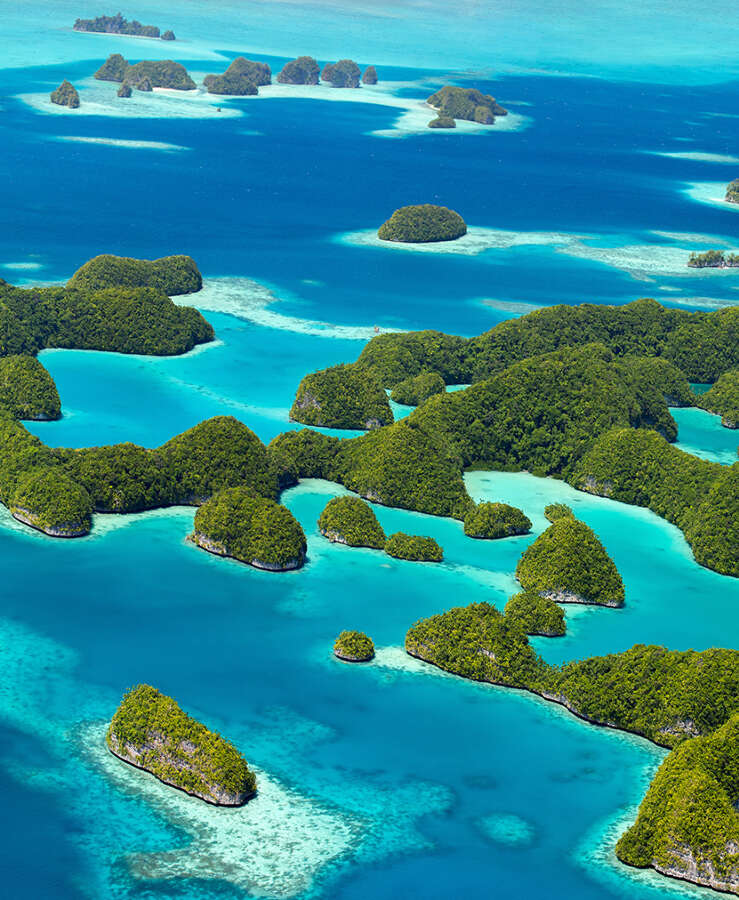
(370, 75)
(732, 191)
(242, 78)
(466, 103)
(151, 732)
(118, 25)
(351, 521)
(147, 74)
(66, 95)
(343, 74)
(424, 223)
(354, 646)
(303, 70)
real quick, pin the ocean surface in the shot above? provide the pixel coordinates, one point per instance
(389, 779)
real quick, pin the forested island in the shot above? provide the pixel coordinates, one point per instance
(342, 74)
(147, 74)
(242, 78)
(413, 547)
(732, 191)
(351, 521)
(463, 103)
(151, 732)
(424, 223)
(354, 646)
(118, 25)
(303, 70)
(713, 259)
(495, 520)
(722, 398)
(65, 95)
(536, 615)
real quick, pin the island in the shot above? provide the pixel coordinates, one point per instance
(417, 389)
(442, 122)
(370, 75)
(66, 95)
(303, 70)
(340, 397)
(27, 391)
(342, 74)
(354, 647)
(722, 398)
(151, 732)
(252, 529)
(495, 520)
(172, 275)
(118, 25)
(568, 563)
(732, 191)
(713, 259)
(147, 74)
(51, 502)
(124, 91)
(424, 223)
(466, 103)
(535, 615)
(351, 521)
(554, 511)
(242, 78)
(688, 824)
(413, 547)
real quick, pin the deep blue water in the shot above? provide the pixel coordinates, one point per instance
(425, 769)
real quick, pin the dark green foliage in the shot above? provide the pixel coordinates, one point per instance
(65, 95)
(442, 122)
(238, 523)
(535, 615)
(732, 191)
(394, 357)
(118, 25)
(706, 345)
(424, 223)
(713, 532)
(113, 69)
(370, 75)
(172, 275)
(466, 103)
(723, 398)
(150, 730)
(302, 454)
(688, 820)
(354, 646)
(21, 453)
(476, 642)
(711, 259)
(27, 391)
(303, 70)
(554, 511)
(49, 500)
(413, 391)
(660, 374)
(543, 413)
(163, 73)
(124, 91)
(413, 547)
(495, 520)
(402, 466)
(342, 74)
(218, 453)
(349, 520)
(341, 397)
(569, 564)
(242, 77)
(123, 478)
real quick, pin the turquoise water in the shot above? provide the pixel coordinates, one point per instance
(389, 779)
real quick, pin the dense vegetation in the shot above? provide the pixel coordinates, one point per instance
(413, 547)
(342, 74)
(172, 275)
(698, 496)
(341, 397)
(124, 91)
(554, 511)
(424, 223)
(349, 520)
(354, 646)
(495, 520)
(242, 77)
(145, 75)
(688, 824)
(52, 502)
(370, 75)
(568, 563)
(664, 695)
(732, 191)
(466, 103)
(237, 522)
(413, 391)
(27, 391)
(151, 731)
(713, 259)
(535, 615)
(442, 122)
(65, 95)
(723, 398)
(118, 25)
(303, 70)
(113, 69)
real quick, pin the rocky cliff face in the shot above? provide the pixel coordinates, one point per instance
(686, 866)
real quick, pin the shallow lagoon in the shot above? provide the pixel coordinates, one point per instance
(414, 783)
